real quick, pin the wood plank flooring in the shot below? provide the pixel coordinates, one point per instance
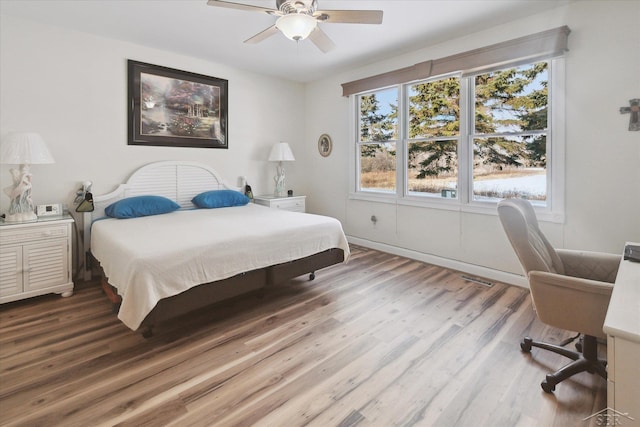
(380, 341)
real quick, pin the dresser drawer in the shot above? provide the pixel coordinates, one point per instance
(23, 235)
(292, 203)
(296, 205)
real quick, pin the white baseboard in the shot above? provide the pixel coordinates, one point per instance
(471, 269)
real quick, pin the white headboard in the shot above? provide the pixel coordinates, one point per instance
(176, 180)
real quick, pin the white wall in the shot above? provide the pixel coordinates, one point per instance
(602, 157)
(71, 87)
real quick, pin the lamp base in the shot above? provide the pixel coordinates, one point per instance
(21, 217)
(279, 180)
(21, 206)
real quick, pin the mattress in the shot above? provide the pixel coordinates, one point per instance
(150, 258)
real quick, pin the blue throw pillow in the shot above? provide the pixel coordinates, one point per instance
(137, 206)
(220, 199)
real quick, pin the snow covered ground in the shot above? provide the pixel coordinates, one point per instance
(532, 184)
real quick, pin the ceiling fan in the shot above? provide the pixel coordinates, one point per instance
(298, 19)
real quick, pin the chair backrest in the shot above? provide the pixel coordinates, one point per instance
(534, 251)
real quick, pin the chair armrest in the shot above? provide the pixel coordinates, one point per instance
(570, 303)
(597, 266)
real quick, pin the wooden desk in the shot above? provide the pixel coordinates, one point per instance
(622, 326)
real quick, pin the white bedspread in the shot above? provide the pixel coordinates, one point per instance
(155, 257)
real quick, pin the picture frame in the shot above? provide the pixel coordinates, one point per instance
(169, 107)
(325, 145)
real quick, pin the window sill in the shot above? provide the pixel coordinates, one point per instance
(481, 208)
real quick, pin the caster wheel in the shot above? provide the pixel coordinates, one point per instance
(548, 388)
(312, 276)
(525, 345)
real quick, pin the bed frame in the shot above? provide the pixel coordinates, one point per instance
(181, 181)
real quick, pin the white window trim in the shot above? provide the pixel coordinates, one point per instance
(554, 211)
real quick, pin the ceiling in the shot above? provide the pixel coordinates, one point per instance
(191, 27)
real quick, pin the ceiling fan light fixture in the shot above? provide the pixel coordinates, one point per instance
(296, 26)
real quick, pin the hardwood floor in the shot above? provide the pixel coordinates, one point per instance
(380, 341)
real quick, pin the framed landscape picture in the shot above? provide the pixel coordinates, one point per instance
(169, 107)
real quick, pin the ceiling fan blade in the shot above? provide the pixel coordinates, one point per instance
(262, 35)
(321, 40)
(349, 16)
(240, 6)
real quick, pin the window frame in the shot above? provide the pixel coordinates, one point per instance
(554, 209)
(373, 194)
(405, 127)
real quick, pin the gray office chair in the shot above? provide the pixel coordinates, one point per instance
(570, 289)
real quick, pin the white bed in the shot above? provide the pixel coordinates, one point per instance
(160, 257)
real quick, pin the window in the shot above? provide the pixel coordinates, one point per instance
(433, 135)
(462, 141)
(463, 131)
(378, 140)
(510, 133)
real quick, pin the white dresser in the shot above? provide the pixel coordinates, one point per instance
(622, 326)
(35, 258)
(293, 203)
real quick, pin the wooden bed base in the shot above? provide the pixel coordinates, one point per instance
(209, 293)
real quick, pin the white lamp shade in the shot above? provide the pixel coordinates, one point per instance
(24, 148)
(296, 26)
(281, 152)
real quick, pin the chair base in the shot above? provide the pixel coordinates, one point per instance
(583, 361)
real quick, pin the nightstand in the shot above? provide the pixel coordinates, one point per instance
(35, 258)
(293, 203)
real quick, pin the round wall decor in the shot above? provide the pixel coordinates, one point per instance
(325, 145)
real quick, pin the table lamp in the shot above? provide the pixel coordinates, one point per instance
(24, 149)
(281, 152)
